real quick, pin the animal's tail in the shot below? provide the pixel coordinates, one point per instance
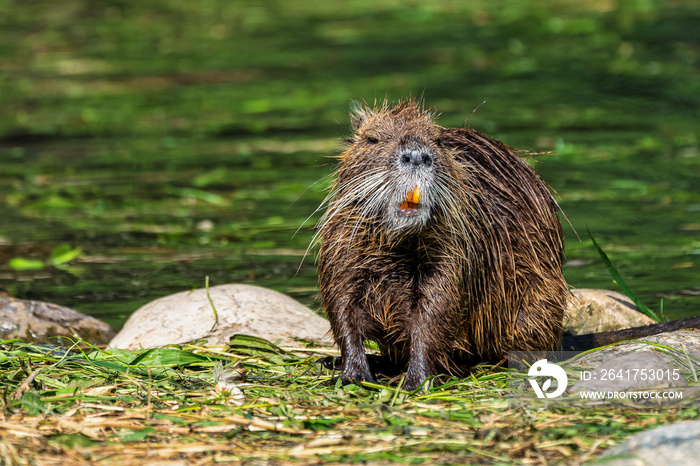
(594, 340)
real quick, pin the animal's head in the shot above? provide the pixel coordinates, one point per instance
(394, 170)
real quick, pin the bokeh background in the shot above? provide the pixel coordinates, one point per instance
(147, 145)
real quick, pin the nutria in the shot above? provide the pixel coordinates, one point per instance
(441, 245)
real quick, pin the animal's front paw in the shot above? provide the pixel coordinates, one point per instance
(330, 362)
(348, 375)
(415, 376)
(356, 377)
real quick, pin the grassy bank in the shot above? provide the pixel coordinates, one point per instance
(255, 402)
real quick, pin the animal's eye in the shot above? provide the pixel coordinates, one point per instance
(372, 140)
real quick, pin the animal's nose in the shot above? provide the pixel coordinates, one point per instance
(416, 158)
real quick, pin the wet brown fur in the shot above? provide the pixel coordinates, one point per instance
(478, 277)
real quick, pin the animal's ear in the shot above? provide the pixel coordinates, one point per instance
(358, 115)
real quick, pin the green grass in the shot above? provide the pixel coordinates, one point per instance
(619, 281)
(254, 401)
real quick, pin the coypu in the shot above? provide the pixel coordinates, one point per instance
(441, 245)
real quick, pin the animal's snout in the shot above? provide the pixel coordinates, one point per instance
(416, 158)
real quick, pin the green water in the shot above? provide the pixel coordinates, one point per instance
(174, 140)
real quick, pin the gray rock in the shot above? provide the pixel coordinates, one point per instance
(673, 358)
(676, 444)
(40, 322)
(675, 346)
(593, 311)
(252, 310)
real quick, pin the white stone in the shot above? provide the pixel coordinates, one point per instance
(242, 309)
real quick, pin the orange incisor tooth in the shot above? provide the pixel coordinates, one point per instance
(415, 197)
(412, 199)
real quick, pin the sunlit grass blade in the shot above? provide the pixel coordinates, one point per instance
(620, 282)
